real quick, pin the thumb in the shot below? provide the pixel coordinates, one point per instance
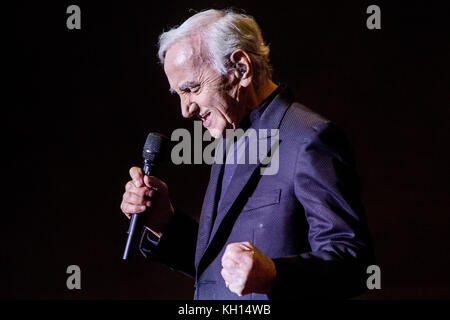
(136, 174)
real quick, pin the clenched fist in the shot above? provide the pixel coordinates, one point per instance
(246, 269)
(144, 192)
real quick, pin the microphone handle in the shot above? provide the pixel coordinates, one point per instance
(149, 169)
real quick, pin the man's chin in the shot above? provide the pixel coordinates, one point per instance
(215, 133)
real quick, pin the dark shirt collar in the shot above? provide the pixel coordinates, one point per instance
(251, 120)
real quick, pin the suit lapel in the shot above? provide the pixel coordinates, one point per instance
(241, 176)
(207, 214)
(270, 119)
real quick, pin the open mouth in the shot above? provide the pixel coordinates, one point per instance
(206, 118)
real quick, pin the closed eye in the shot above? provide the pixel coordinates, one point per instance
(189, 87)
(191, 90)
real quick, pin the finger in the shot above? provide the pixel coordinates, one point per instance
(154, 182)
(241, 263)
(225, 275)
(128, 185)
(234, 252)
(233, 275)
(229, 263)
(232, 247)
(133, 198)
(141, 192)
(246, 246)
(132, 208)
(150, 193)
(227, 278)
(136, 199)
(136, 174)
(236, 288)
(236, 247)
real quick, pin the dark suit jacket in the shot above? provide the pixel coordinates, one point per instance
(308, 217)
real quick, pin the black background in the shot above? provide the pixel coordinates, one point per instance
(84, 100)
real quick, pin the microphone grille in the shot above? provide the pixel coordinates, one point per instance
(155, 146)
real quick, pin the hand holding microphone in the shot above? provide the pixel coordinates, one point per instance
(144, 192)
(146, 199)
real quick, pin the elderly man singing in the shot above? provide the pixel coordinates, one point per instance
(298, 233)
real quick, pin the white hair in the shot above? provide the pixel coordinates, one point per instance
(221, 33)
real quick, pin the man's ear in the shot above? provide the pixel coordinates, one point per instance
(243, 69)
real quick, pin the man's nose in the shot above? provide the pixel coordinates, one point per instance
(189, 109)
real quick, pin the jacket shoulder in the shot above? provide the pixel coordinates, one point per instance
(302, 126)
(300, 121)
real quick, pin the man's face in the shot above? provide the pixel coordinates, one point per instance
(201, 89)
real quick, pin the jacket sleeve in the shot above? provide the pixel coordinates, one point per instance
(176, 247)
(327, 187)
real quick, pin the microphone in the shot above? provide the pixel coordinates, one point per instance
(153, 153)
